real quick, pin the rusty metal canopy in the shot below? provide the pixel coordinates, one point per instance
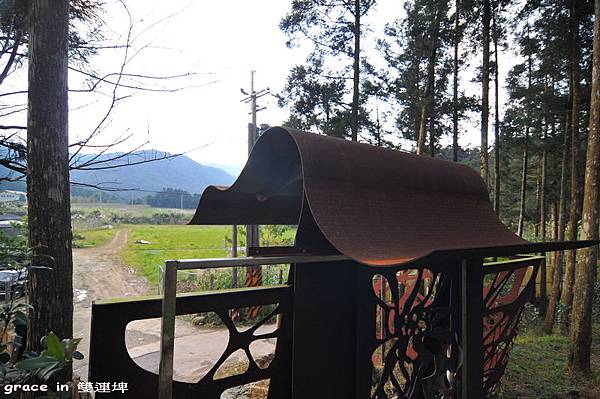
(378, 206)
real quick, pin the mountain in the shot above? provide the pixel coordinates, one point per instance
(136, 181)
(179, 172)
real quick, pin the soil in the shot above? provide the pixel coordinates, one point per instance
(99, 273)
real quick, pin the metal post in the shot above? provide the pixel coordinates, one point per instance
(234, 245)
(167, 335)
(471, 287)
(252, 239)
(383, 320)
(252, 100)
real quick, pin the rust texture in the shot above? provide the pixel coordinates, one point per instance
(378, 206)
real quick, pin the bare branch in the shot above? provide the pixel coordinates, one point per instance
(11, 59)
(120, 75)
(9, 127)
(99, 186)
(114, 100)
(12, 93)
(14, 112)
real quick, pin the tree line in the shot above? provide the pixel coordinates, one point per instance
(173, 198)
(411, 87)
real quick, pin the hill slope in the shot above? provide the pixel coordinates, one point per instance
(137, 181)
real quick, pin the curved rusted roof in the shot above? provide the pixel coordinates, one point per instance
(375, 205)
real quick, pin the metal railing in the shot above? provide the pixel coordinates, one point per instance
(165, 382)
(110, 360)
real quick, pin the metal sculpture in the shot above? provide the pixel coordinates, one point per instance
(388, 295)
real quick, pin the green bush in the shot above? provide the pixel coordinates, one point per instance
(17, 366)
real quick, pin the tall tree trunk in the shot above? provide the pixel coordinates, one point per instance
(496, 121)
(455, 83)
(543, 165)
(581, 326)
(558, 258)
(523, 184)
(525, 154)
(554, 223)
(432, 121)
(485, 92)
(425, 103)
(49, 208)
(356, 70)
(428, 94)
(566, 297)
(538, 189)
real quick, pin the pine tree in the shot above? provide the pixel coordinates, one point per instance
(418, 53)
(335, 30)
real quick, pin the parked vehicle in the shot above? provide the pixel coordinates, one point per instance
(13, 281)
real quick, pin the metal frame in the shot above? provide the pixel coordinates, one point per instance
(308, 302)
(165, 382)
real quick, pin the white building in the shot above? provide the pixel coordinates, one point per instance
(11, 196)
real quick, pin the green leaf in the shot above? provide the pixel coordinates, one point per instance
(35, 363)
(55, 348)
(21, 318)
(47, 372)
(24, 305)
(71, 344)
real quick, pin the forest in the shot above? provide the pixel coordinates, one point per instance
(434, 75)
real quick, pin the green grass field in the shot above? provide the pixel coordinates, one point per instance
(172, 242)
(537, 369)
(92, 238)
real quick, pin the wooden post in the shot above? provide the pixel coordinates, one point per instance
(167, 332)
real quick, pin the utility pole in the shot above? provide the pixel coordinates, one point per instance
(253, 273)
(252, 237)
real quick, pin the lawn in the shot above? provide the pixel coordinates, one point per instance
(537, 369)
(172, 242)
(92, 238)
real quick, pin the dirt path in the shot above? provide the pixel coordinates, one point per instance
(100, 273)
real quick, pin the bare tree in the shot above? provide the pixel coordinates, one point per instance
(116, 86)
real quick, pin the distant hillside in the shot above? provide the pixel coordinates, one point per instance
(137, 181)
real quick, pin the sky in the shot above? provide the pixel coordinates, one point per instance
(220, 43)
